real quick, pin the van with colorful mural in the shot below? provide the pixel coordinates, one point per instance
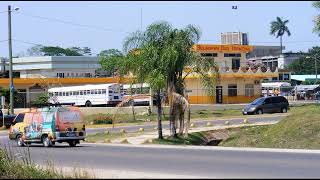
(48, 125)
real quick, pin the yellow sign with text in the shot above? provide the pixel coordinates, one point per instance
(222, 48)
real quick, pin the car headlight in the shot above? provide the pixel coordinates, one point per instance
(252, 109)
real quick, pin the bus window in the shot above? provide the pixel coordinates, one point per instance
(81, 92)
(110, 91)
(104, 91)
(75, 93)
(92, 91)
(88, 91)
(56, 93)
(67, 93)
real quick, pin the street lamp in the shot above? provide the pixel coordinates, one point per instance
(315, 67)
(10, 57)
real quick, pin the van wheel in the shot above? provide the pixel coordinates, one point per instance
(259, 111)
(46, 141)
(19, 140)
(88, 104)
(72, 143)
(284, 110)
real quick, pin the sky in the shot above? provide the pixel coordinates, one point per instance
(104, 25)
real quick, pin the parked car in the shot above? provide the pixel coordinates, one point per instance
(6, 119)
(269, 104)
(48, 125)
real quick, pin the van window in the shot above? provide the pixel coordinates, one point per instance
(276, 99)
(19, 118)
(267, 101)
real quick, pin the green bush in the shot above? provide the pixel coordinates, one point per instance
(99, 119)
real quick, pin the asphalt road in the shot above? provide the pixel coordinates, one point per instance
(212, 163)
(206, 162)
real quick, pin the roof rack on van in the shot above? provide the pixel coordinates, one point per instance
(52, 104)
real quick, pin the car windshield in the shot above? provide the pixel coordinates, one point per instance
(257, 101)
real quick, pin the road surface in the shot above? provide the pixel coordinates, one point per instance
(160, 161)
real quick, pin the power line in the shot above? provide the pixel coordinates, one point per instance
(70, 23)
(25, 42)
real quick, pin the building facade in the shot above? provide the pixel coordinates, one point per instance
(238, 38)
(56, 66)
(237, 83)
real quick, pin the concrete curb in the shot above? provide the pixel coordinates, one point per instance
(214, 148)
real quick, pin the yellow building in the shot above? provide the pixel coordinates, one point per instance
(237, 83)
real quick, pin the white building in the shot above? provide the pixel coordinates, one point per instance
(234, 38)
(56, 66)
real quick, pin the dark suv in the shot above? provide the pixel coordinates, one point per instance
(267, 105)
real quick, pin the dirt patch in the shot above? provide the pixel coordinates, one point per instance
(213, 138)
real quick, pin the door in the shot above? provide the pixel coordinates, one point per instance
(219, 95)
(267, 106)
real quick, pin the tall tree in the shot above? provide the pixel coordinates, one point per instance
(299, 66)
(279, 28)
(35, 50)
(109, 59)
(58, 51)
(159, 56)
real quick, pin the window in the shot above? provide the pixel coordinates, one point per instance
(231, 55)
(67, 93)
(56, 93)
(209, 54)
(235, 63)
(110, 91)
(88, 91)
(249, 90)
(75, 93)
(60, 75)
(19, 118)
(275, 100)
(92, 91)
(280, 77)
(104, 91)
(274, 79)
(81, 92)
(285, 76)
(267, 101)
(60, 93)
(232, 90)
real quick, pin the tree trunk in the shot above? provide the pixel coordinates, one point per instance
(133, 113)
(159, 115)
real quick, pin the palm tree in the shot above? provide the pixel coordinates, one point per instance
(279, 28)
(163, 54)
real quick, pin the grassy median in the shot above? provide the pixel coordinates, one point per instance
(299, 130)
(107, 119)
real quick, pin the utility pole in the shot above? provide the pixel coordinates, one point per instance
(316, 71)
(10, 61)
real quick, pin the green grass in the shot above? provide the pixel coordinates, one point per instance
(102, 137)
(11, 168)
(299, 130)
(104, 119)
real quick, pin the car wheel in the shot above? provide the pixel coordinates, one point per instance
(72, 143)
(19, 140)
(284, 110)
(46, 141)
(259, 111)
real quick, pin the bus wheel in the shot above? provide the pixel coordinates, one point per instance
(88, 104)
(72, 143)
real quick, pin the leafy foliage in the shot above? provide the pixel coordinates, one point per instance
(110, 59)
(306, 65)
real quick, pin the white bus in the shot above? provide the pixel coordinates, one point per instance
(87, 95)
(143, 90)
(268, 89)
